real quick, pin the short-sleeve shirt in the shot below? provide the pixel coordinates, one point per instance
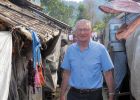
(86, 66)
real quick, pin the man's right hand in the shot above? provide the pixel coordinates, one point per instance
(62, 97)
(64, 84)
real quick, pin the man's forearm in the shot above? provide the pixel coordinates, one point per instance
(110, 83)
(109, 80)
(64, 84)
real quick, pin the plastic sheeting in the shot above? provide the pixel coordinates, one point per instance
(133, 49)
(52, 65)
(120, 68)
(117, 51)
(118, 6)
(5, 63)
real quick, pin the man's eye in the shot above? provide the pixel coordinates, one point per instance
(85, 30)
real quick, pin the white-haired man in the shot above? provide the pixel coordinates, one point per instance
(83, 64)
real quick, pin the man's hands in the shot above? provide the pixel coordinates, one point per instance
(111, 97)
(110, 83)
(64, 84)
(63, 98)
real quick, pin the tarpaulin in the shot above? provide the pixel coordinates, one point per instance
(116, 49)
(53, 62)
(133, 55)
(5, 63)
(125, 31)
(118, 6)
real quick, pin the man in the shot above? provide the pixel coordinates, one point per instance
(83, 65)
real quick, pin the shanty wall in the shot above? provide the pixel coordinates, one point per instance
(19, 85)
(133, 55)
(18, 20)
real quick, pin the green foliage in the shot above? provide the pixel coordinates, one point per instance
(83, 14)
(58, 10)
(99, 26)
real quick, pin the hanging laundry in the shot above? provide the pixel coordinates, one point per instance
(37, 61)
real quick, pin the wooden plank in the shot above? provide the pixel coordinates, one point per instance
(7, 20)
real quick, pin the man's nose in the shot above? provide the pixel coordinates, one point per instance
(82, 32)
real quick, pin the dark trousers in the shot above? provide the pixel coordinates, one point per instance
(95, 95)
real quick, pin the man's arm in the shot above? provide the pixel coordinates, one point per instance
(64, 84)
(110, 83)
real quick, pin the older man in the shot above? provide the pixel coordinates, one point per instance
(83, 65)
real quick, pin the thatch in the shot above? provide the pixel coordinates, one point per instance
(22, 19)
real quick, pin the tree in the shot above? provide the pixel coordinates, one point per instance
(90, 7)
(58, 10)
(99, 26)
(83, 14)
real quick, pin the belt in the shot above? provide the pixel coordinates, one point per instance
(84, 91)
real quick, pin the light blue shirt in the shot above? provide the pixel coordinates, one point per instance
(87, 66)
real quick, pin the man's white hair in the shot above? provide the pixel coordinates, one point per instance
(82, 21)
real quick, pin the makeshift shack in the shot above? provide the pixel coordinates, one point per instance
(18, 19)
(128, 31)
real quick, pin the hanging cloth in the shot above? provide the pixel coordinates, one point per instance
(37, 61)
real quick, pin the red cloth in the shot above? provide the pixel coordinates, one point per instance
(39, 78)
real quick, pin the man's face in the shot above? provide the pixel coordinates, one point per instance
(83, 32)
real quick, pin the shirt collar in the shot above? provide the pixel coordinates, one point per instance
(89, 44)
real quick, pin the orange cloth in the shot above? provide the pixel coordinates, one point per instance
(39, 78)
